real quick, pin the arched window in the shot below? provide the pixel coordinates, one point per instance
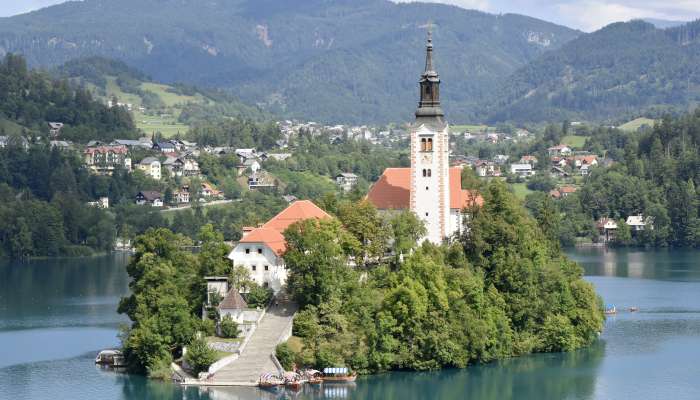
(430, 173)
(423, 144)
(429, 146)
(425, 173)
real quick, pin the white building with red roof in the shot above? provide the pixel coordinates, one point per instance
(260, 250)
(429, 188)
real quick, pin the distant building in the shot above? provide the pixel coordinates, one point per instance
(261, 180)
(151, 167)
(559, 150)
(102, 202)
(528, 159)
(105, 159)
(639, 223)
(607, 227)
(523, 170)
(151, 198)
(55, 129)
(346, 181)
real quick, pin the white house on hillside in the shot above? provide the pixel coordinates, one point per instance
(260, 250)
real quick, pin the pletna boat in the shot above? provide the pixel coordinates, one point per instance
(338, 375)
(313, 377)
(270, 381)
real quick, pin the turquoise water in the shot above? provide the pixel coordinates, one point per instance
(56, 314)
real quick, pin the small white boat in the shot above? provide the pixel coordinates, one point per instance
(112, 358)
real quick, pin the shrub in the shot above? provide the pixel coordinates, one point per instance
(285, 355)
(229, 328)
(199, 356)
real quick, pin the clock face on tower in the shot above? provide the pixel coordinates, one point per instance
(426, 158)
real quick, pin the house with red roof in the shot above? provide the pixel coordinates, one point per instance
(260, 250)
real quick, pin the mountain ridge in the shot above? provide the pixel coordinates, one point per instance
(339, 60)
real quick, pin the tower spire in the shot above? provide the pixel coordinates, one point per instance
(429, 105)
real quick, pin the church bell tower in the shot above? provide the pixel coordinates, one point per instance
(430, 180)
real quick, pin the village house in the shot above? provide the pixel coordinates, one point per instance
(346, 181)
(55, 129)
(247, 153)
(607, 227)
(61, 144)
(485, 168)
(208, 191)
(165, 147)
(149, 197)
(528, 159)
(104, 159)
(559, 150)
(638, 223)
(560, 162)
(558, 172)
(562, 192)
(151, 167)
(523, 170)
(181, 166)
(500, 159)
(141, 143)
(249, 164)
(102, 202)
(181, 196)
(261, 180)
(260, 249)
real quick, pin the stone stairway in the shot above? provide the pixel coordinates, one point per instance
(256, 357)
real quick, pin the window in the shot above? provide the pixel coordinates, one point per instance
(426, 188)
(423, 144)
(253, 267)
(259, 250)
(267, 268)
(426, 214)
(247, 250)
(430, 144)
(430, 173)
(425, 173)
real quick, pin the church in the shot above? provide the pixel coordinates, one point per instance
(429, 188)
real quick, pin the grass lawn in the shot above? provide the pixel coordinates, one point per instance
(112, 89)
(636, 124)
(169, 98)
(8, 127)
(574, 141)
(520, 190)
(223, 340)
(167, 125)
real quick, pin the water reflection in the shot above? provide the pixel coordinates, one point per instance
(663, 264)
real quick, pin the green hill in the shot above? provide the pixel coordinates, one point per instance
(620, 70)
(326, 60)
(156, 108)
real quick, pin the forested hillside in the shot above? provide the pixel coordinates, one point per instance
(31, 99)
(340, 60)
(621, 70)
(655, 174)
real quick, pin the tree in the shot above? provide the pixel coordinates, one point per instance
(199, 356)
(229, 327)
(316, 260)
(362, 220)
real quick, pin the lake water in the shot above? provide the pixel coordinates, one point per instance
(55, 315)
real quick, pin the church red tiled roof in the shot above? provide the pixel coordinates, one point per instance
(393, 190)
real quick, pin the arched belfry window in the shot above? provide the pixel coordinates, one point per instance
(426, 144)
